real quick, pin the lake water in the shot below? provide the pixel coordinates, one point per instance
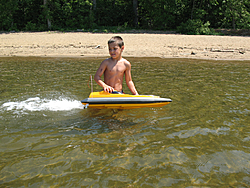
(201, 139)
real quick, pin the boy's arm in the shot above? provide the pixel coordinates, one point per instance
(98, 79)
(129, 81)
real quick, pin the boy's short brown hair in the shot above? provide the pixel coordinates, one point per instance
(118, 40)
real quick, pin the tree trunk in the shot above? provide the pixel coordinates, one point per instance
(94, 4)
(233, 23)
(46, 13)
(192, 12)
(135, 8)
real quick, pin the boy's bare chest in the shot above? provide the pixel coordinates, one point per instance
(116, 68)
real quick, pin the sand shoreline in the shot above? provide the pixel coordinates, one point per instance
(80, 45)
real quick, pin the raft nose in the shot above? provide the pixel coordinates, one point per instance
(84, 100)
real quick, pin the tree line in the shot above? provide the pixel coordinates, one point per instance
(186, 16)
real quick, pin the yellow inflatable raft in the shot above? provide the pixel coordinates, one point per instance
(123, 101)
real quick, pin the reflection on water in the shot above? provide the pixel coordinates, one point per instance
(201, 139)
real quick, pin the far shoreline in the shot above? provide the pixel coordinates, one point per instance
(126, 57)
(137, 45)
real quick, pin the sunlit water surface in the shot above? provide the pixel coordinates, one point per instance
(201, 139)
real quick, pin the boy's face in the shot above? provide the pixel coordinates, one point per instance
(115, 51)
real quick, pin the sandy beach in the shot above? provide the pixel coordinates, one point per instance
(80, 44)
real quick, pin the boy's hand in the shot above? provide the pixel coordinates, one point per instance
(108, 89)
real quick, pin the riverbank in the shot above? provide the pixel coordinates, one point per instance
(80, 44)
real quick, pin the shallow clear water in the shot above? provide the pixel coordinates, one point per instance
(201, 139)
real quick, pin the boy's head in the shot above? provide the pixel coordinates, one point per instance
(118, 40)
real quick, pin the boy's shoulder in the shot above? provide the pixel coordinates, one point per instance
(125, 61)
(105, 61)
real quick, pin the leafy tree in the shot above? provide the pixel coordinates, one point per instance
(7, 11)
(114, 13)
(160, 14)
(150, 14)
(236, 13)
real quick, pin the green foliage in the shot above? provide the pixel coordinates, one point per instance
(30, 26)
(114, 13)
(195, 27)
(7, 11)
(236, 14)
(193, 17)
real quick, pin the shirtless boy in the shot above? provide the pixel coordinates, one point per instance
(114, 68)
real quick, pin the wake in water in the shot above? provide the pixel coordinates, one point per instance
(38, 104)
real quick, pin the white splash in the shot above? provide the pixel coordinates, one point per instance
(38, 104)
